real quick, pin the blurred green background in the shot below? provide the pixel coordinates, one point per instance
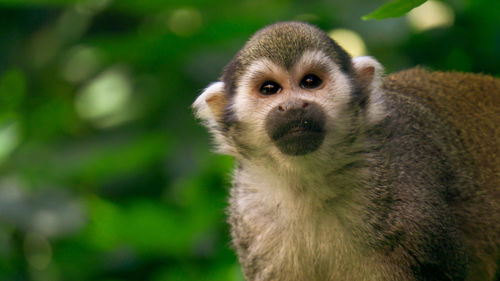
(105, 174)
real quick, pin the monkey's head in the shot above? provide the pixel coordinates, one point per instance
(291, 91)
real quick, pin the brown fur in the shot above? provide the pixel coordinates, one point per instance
(468, 104)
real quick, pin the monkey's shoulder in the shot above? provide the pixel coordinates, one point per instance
(468, 102)
(448, 91)
(465, 103)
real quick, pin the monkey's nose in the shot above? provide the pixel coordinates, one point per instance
(296, 126)
(292, 105)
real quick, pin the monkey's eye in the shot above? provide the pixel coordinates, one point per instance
(310, 81)
(269, 88)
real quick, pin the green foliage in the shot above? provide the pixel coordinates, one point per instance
(396, 8)
(104, 172)
(12, 88)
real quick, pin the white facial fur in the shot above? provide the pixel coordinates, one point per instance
(251, 108)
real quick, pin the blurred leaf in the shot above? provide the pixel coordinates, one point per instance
(394, 9)
(225, 272)
(121, 159)
(38, 2)
(93, 162)
(148, 227)
(12, 88)
(10, 135)
(49, 118)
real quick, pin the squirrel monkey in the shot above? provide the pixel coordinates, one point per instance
(343, 174)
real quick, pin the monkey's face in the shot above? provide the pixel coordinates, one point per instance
(294, 109)
(290, 93)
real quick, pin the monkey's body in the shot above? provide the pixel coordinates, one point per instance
(405, 184)
(417, 205)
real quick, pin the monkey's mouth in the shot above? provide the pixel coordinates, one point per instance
(297, 128)
(299, 137)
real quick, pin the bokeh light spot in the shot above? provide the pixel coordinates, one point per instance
(9, 137)
(105, 100)
(431, 14)
(185, 22)
(350, 41)
(37, 250)
(46, 222)
(81, 62)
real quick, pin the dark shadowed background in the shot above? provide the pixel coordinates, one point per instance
(105, 174)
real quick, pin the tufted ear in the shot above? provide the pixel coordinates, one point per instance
(209, 106)
(369, 72)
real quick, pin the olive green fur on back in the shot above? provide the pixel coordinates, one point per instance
(470, 103)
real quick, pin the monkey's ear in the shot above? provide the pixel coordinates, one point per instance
(209, 106)
(369, 72)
